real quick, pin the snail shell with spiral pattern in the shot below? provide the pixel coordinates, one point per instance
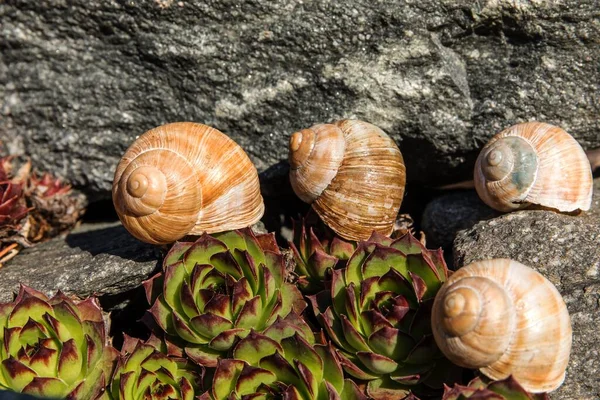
(504, 318)
(185, 178)
(534, 163)
(352, 173)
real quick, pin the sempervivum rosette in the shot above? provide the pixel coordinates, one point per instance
(377, 311)
(215, 290)
(282, 362)
(54, 348)
(152, 370)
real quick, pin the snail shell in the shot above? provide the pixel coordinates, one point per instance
(352, 173)
(506, 319)
(534, 163)
(185, 178)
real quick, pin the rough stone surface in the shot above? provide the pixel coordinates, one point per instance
(452, 212)
(444, 216)
(101, 260)
(566, 250)
(80, 80)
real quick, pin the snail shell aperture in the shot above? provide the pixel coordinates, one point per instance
(506, 319)
(185, 178)
(352, 173)
(534, 163)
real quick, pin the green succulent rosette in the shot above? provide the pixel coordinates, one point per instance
(214, 291)
(482, 388)
(282, 363)
(152, 370)
(377, 312)
(54, 347)
(317, 250)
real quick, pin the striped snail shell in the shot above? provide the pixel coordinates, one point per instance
(504, 318)
(534, 163)
(352, 173)
(185, 178)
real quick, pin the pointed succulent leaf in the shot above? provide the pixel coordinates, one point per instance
(202, 250)
(226, 264)
(353, 336)
(71, 361)
(255, 347)
(408, 244)
(176, 252)
(381, 260)
(353, 270)
(251, 378)
(47, 387)
(341, 249)
(226, 377)
(352, 392)
(208, 325)
(28, 308)
(377, 363)
(298, 349)
(288, 326)
(422, 266)
(224, 340)
(318, 264)
(332, 369)
(175, 275)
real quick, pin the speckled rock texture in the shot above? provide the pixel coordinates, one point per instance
(94, 259)
(444, 216)
(79, 80)
(566, 250)
(457, 210)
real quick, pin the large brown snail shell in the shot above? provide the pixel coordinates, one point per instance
(534, 163)
(185, 178)
(352, 173)
(506, 319)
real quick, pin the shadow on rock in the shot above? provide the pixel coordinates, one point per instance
(281, 203)
(113, 240)
(96, 260)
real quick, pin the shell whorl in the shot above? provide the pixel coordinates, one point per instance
(360, 187)
(157, 195)
(315, 157)
(506, 319)
(470, 312)
(185, 178)
(534, 163)
(505, 172)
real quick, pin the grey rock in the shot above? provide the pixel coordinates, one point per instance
(452, 212)
(80, 80)
(94, 259)
(566, 250)
(444, 216)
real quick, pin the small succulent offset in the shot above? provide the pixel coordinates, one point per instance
(153, 371)
(377, 312)
(317, 249)
(483, 388)
(54, 348)
(214, 291)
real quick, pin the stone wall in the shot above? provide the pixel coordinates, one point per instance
(79, 80)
